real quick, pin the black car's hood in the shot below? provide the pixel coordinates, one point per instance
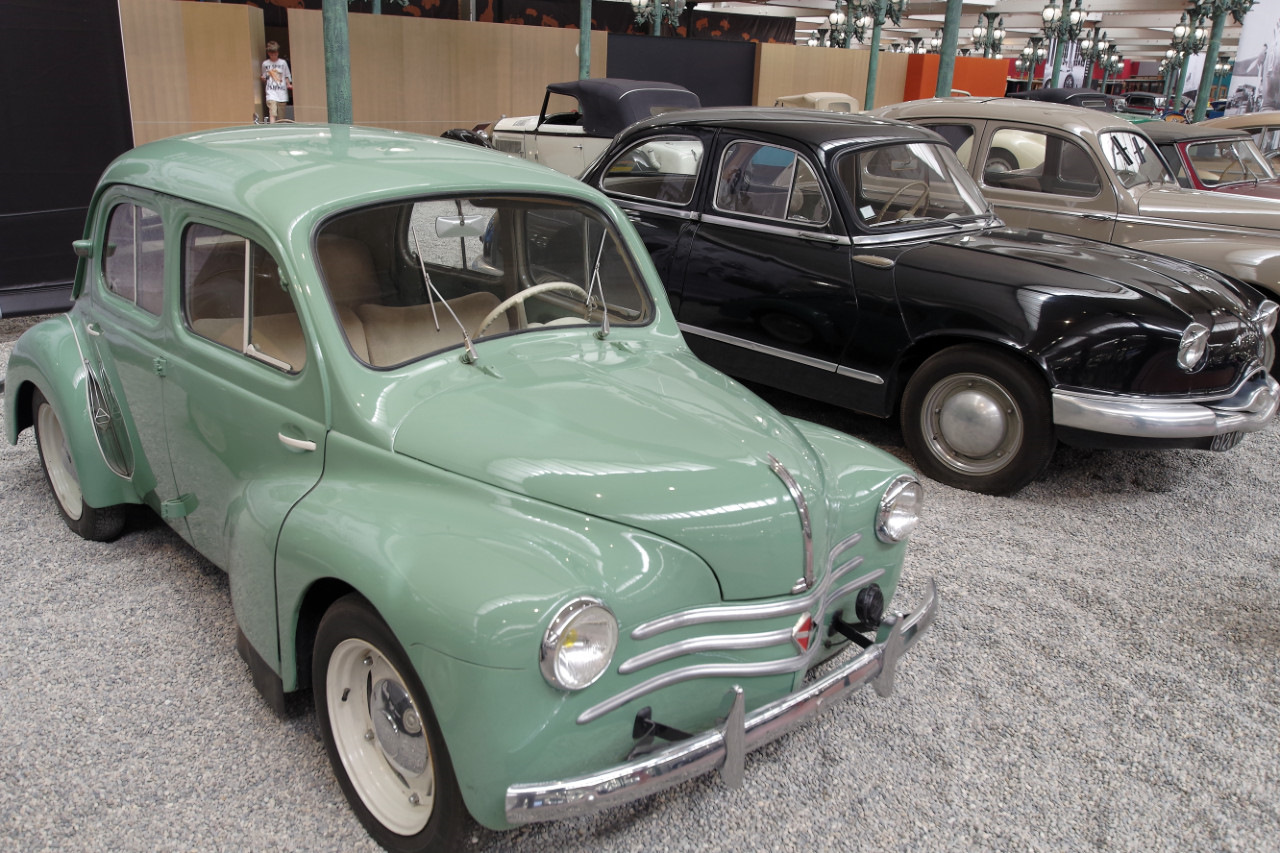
(1065, 263)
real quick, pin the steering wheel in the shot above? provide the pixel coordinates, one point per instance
(920, 201)
(520, 296)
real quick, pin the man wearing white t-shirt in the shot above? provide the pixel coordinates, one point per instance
(278, 80)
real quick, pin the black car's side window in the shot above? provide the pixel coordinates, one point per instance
(664, 170)
(770, 182)
(232, 295)
(133, 264)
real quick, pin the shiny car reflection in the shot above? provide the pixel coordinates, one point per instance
(1102, 178)
(851, 259)
(531, 556)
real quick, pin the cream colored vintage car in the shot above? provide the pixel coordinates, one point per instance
(831, 102)
(1096, 175)
(1263, 126)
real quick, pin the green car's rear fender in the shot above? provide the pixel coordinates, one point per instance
(47, 357)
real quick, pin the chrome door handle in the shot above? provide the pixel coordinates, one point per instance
(296, 443)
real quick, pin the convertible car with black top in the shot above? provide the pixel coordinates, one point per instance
(852, 259)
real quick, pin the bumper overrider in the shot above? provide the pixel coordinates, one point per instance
(1249, 408)
(724, 748)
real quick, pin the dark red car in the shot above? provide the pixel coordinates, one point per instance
(1215, 158)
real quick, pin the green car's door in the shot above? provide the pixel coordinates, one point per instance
(244, 405)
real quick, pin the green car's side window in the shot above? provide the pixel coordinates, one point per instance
(133, 264)
(232, 295)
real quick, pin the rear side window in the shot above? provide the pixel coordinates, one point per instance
(663, 170)
(133, 263)
(769, 182)
(232, 294)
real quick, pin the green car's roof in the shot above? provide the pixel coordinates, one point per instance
(283, 174)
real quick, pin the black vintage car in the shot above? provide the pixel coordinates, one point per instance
(852, 260)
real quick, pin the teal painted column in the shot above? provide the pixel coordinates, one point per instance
(1058, 53)
(584, 39)
(337, 61)
(947, 52)
(873, 65)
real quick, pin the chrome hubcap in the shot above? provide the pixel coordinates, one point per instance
(379, 734)
(972, 424)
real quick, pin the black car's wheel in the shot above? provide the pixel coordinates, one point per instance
(100, 524)
(978, 420)
(381, 734)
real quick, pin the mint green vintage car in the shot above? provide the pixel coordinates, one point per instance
(531, 556)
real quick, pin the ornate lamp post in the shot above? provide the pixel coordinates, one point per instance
(935, 42)
(880, 11)
(1032, 55)
(1093, 47)
(658, 12)
(848, 22)
(1217, 10)
(1188, 39)
(1222, 70)
(988, 37)
(1111, 63)
(1063, 25)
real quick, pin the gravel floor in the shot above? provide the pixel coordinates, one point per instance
(1102, 675)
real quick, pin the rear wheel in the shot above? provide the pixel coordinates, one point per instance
(99, 524)
(978, 420)
(381, 734)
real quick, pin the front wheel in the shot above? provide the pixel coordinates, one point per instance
(978, 420)
(99, 524)
(381, 734)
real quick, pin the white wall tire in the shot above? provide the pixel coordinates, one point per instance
(99, 524)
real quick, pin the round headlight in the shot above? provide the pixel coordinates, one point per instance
(899, 509)
(1267, 314)
(579, 644)
(1195, 341)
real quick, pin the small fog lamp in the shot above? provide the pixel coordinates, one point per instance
(1266, 315)
(579, 644)
(899, 509)
(1194, 344)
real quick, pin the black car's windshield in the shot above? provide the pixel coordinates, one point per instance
(908, 182)
(1134, 159)
(425, 275)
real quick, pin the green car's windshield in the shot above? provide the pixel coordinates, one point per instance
(1134, 159)
(414, 278)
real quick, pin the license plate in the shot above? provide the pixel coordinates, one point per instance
(1226, 441)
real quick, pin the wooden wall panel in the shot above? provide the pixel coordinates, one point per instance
(429, 75)
(786, 69)
(156, 67)
(190, 66)
(783, 69)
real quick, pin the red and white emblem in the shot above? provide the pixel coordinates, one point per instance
(802, 633)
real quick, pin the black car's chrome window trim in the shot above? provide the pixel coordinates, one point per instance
(763, 349)
(781, 231)
(932, 232)
(800, 157)
(628, 205)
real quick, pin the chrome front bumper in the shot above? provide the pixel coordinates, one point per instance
(724, 748)
(1250, 409)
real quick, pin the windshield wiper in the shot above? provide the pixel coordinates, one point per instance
(594, 285)
(433, 295)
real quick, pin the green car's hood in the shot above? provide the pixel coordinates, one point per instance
(648, 438)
